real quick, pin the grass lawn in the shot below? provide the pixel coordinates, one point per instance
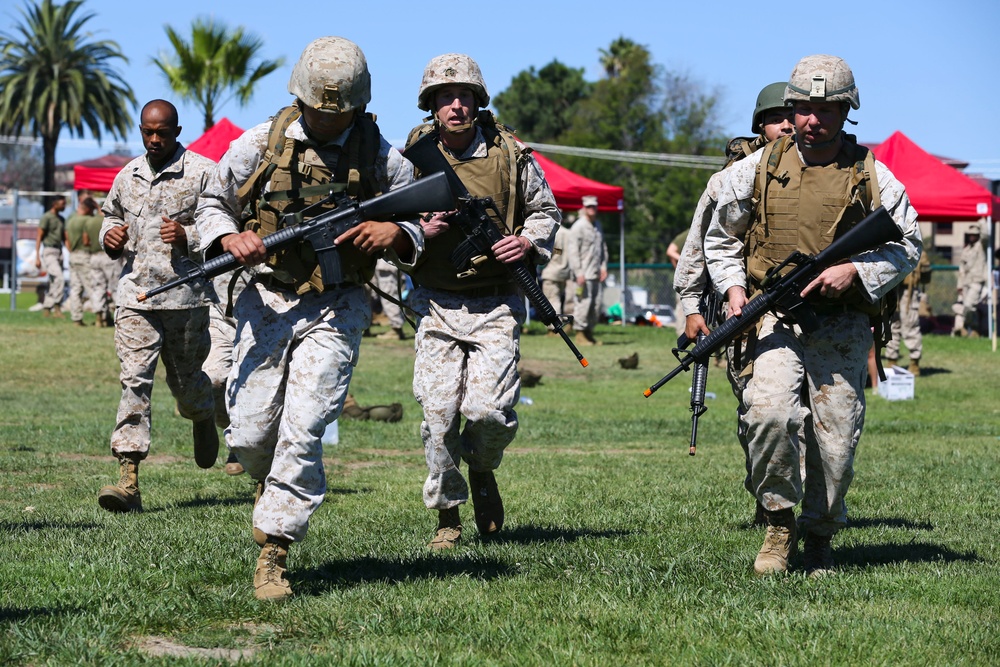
(619, 548)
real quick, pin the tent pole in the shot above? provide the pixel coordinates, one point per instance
(13, 252)
(621, 260)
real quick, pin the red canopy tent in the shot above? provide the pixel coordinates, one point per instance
(216, 140)
(938, 192)
(570, 188)
(99, 174)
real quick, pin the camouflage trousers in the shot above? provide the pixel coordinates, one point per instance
(587, 307)
(905, 327)
(218, 364)
(811, 384)
(467, 351)
(389, 280)
(104, 273)
(53, 266)
(555, 292)
(293, 358)
(142, 337)
(79, 274)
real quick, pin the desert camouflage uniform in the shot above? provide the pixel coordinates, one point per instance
(104, 271)
(79, 264)
(52, 260)
(173, 324)
(973, 278)
(467, 349)
(556, 273)
(222, 331)
(588, 256)
(389, 280)
(293, 354)
(830, 363)
(905, 325)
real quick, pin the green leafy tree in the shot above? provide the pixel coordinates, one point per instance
(216, 65)
(539, 105)
(52, 76)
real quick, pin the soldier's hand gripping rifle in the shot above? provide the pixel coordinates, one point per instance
(710, 307)
(474, 219)
(784, 292)
(321, 231)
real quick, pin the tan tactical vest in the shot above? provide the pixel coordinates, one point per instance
(298, 177)
(496, 176)
(804, 208)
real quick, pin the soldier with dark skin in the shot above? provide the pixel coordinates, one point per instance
(149, 222)
(48, 254)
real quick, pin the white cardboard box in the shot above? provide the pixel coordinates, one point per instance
(898, 385)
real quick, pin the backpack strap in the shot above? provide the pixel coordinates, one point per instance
(277, 143)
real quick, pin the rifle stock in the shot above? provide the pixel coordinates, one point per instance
(474, 220)
(876, 229)
(322, 230)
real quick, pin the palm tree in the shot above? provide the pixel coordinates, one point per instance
(215, 62)
(52, 77)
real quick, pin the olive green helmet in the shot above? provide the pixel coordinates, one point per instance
(771, 96)
(332, 75)
(452, 69)
(822, 78)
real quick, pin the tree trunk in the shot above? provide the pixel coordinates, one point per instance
(49, 162)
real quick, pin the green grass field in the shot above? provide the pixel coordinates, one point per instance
(619, 548)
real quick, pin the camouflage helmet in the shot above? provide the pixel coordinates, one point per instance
(332, 75)
(822, 79)
(452, 69)
(771, 96)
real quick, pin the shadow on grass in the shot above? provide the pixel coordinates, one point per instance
(248, 499)
(887, 522)
(343, 573)
(8, 527)
(13, 615)
(532, 534)
(872, 555)
(931, 370)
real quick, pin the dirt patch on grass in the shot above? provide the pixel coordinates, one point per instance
(158, 647)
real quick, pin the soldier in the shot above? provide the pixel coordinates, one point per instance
(810, 188)
(79, 257)
(905, 324)
(390, 281)
(297, 339)
(556, 273)
(48, 254)
(588, 259)
(771, 120)
(149, 219)
(468, 325)
(972, 281)
(104, 272)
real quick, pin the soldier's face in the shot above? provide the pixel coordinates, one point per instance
(818, 122)
(455, 106)
(159, 133)
(326, 125)
(776, 123)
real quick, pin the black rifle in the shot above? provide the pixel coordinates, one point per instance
(784, 292)
(474, 219)
(710, 307)
(322, 230)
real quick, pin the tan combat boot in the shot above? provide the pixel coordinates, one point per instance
(396, 333)
(581, 339)
(915, 367)
(233, 465)
(124, 496)
(206, 442)
(889, 363)
(817, 555)
(487, 502)
(269, 579)
(449, 531)
(589, 335)
(780, 543)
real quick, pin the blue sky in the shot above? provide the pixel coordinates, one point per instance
(926, 68)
